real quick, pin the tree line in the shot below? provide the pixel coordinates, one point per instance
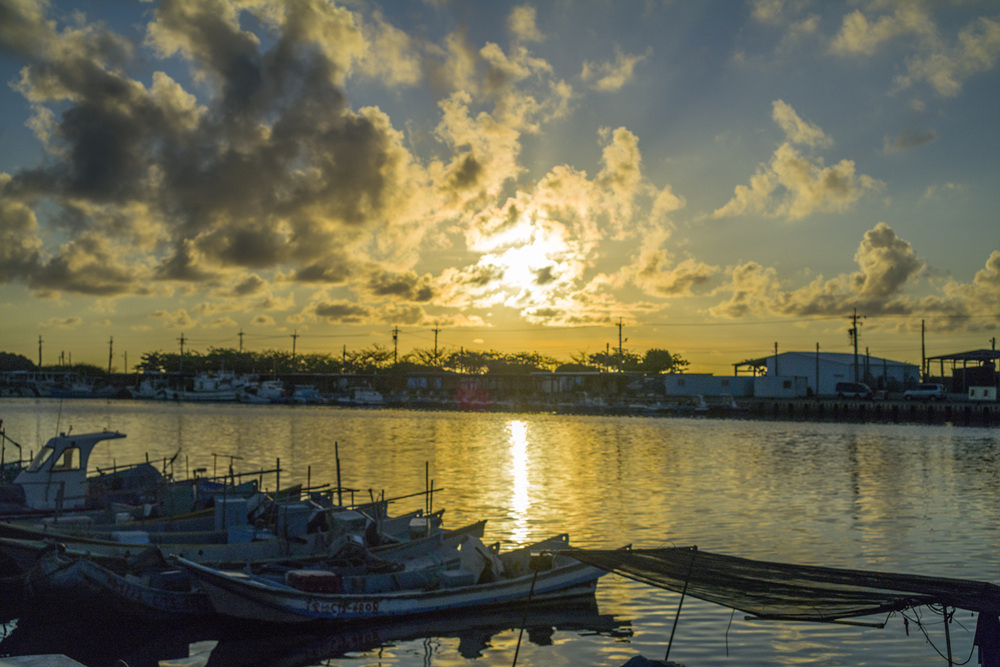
(374, 359)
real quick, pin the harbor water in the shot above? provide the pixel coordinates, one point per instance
(892, 497)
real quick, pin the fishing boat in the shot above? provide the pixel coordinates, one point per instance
(150, 587)
(56, 479)
(485, 578)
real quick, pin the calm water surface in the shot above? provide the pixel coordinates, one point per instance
(905, 498)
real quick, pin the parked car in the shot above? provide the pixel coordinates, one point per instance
(925, 391)
(853, 390)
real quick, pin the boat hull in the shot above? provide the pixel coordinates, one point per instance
(237, 595)
(81, 583)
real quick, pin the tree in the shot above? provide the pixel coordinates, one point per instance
(661, 361)
(370, 359)
(15, 362)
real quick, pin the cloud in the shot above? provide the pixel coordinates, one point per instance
(907, 139)
(947, 68)
(944, 66)
(768, 11)
(90, 264)
(612, 76)
(251, 285)
(750, 287)
(400, 286)
(797, 130)
(178, 319)
(61, 323)
(342, 311)
(262, 320)
(860, 36)
(793, 185)
(658, 278)
(887, 263)
(522, 25)
(19, 242)
(889, 272)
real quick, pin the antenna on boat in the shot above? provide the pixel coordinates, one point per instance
(59, 417)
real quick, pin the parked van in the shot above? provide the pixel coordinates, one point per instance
(925, 391)
(853, 390)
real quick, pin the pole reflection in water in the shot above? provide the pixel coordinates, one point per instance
(521, 499)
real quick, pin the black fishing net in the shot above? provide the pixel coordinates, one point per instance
(791, 592)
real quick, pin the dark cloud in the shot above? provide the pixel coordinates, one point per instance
(19, 247)
(335, 271)
(185, 265)
(545, 275)
(465, 173)
(249, 286)
(273, 172)
(86, 266)
(404, 286)
(342, 311)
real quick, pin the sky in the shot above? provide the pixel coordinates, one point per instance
(718, 179)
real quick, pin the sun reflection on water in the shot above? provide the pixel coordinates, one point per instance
(521, 500)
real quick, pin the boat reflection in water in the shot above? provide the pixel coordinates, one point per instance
(98, 641)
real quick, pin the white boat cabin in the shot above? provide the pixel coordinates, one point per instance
(57, 476)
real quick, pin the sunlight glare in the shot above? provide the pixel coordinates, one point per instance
(521, 501)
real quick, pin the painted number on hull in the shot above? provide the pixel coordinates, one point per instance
(342, 608)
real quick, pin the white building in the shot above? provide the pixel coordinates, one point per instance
(826, 369)
(703, 384)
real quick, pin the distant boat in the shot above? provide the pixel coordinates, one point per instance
(264, 392)
(363, 397)
(82, 387)
(221, 386)
(150, 388)
(307, 394)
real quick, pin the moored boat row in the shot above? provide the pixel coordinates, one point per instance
(290, 557)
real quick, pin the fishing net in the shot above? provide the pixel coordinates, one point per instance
(789, 592)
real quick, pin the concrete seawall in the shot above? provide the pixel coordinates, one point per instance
(889, 412)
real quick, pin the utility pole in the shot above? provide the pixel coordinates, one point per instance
(182, 353)
(295, 337)
(854, 339)
(39, 351)
(111, 342)
(817, 371)
(923, 353)
(621, 357)
(775, 358)
(241, 340)
(436, 331)
(395, 344)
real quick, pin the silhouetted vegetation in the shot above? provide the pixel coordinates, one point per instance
(15, 362)
(371, 360)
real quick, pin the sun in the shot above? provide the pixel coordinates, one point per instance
(530, 257)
